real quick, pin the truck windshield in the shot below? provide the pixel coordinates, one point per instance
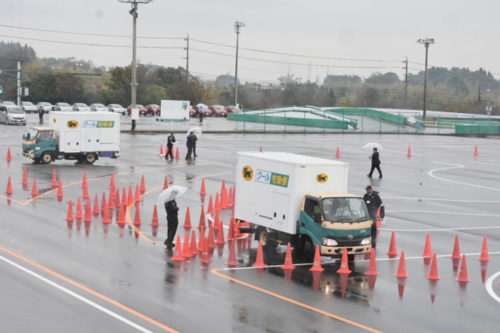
(344, 209)
(31, 134)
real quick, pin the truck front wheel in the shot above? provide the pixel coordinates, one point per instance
(46, 158)
(90, 158)
(306, 248)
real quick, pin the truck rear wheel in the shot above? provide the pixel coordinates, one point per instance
(90, 158)
(46, 158)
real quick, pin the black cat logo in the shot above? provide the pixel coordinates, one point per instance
(247, 173)
(72, 124)
(322, 178)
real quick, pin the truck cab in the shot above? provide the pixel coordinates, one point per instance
(333, 221)
(40, 144)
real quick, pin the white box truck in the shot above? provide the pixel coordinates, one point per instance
(82, 136)
(303, 200)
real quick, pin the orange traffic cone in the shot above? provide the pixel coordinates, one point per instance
(85, 191)
(433, 273)
(137, 216)
(203, 191)
(111, 201)
(230, 232)
(112, 181)
(137, 194)
(154, 220)
(161, 150)
(456, 249)
(121, 217)
(84, 180)
(103, 203)
(201, 241)
(88, 212)
(78, 215)
(337, 153)
(9, 186)
(187, 219)
(96, 211)
(130, 195)
(105, 214)
(409, 152)
(231, 260)
(201, 224)
(177, 155)
(217, 202)
(484, 251)
(54, 178)
(165, 183)
(210, 209)
(401, 274)
(25, 177)
(69, 216)
(186, 251)
(34, 190)
(223, 199)
(217, 221)
(393, 252)
(60, 192)
(476, 152)
(372, 267)
(260, 149)
(288, 265)
(259, 260)
(210, 238)
(344, 264)
(193, 249)
(220, 235)
(143, 185)
(124, 197)
(178, 256)
(205, 255)
(463, 276)
(9, 156)
(117, 198)
(427, 249)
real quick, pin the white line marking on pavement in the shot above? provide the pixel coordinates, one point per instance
(489, 286)
(439, 199)
(75, 295)
(440, 212)
(456, 166)
(442, 229)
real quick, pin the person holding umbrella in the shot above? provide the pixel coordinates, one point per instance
(375, 163)
(168, 197)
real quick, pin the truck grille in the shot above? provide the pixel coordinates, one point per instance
(345, 241)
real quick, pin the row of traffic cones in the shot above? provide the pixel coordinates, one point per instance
(162, 152)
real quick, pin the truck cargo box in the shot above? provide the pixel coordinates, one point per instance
(86, 131)
(270, 186)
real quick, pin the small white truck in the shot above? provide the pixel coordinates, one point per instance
(82, 136)
(303, 200)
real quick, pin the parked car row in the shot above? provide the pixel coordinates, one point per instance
(148, 110)
(29, 107)
(213, 111)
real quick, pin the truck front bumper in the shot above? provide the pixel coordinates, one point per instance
(29, 155)
(337, 250)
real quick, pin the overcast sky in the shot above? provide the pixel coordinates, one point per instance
(466, 33)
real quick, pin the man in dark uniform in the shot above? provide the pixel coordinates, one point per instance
(170, 146)
(373, 202)
(40, 115)
(191, 146)
(375, 163)
(172, 222)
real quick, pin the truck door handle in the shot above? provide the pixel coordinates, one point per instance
(302, 224)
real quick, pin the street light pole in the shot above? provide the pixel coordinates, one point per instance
(237, 26)
(426, 42)
(133, 83)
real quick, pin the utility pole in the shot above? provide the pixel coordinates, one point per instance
(237, 26)
(187, 67)
(406, 78)
(19, 89)
(426, 42)
(133, 83)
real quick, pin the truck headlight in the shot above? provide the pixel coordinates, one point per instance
(329, 242)
(366, 241)
(31, 151)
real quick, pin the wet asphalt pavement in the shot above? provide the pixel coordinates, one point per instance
(80, 277)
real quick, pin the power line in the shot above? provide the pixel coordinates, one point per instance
(292, 63)
(88, 44)
(83, 33)
(292, 54)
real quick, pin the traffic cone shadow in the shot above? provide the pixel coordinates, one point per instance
(401, 288)
(316, 279)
